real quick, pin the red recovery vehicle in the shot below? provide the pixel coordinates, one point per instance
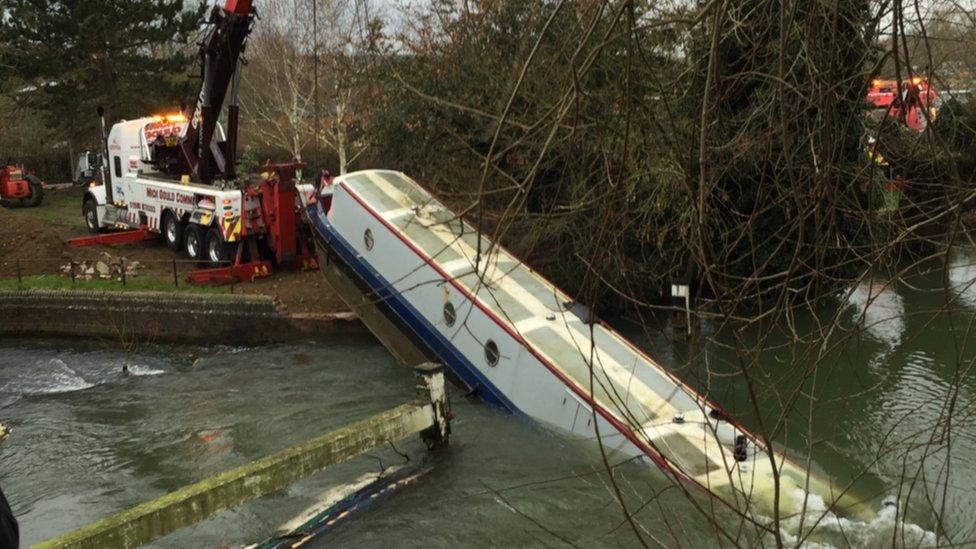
(915, 103)
(175, 176)
(23, 187)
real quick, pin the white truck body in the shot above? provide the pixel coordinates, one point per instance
(140, 197)
(86, 168)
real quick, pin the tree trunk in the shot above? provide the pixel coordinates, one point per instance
(71, 159)
(340, 135)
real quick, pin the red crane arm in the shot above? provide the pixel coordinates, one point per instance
(219, 55)
(240, 7)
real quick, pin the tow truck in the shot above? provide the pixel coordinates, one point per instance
(173, 175)
(914, 101)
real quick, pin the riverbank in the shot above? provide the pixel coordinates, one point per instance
(137, 318)
(33, 242)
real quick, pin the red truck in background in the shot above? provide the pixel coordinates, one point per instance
(915, 103)
(15, 184)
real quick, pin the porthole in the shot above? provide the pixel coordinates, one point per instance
(491, 353)
(368, 239)
(450, 315)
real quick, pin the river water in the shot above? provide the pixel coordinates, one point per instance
(89, 440)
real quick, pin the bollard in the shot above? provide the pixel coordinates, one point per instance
(681, 320)
(123, 271)
(430, 387)
(176, 277)
(19, 278)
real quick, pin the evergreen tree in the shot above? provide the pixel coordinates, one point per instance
(129, 56)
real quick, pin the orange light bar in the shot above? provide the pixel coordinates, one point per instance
(173, 118)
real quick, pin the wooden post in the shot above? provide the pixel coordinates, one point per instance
(681, 321)
(202, 500)
(430, 388)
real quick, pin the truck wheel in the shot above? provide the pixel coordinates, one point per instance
(37, 192)
(193, 242)
(173, 231)
(90, 211)
(218, 251)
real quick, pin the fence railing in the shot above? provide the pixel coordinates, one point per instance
(105, 269)
(51, 168)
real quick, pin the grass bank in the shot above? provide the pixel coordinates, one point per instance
(141, 284)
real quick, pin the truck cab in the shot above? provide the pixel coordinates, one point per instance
(87, 168)
(131, 146)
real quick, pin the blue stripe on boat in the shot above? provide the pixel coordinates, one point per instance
(413, 319)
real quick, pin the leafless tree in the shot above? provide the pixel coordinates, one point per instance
(623, 145)
(277, 85)
(288, 49)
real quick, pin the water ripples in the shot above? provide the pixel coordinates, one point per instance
(53, 377)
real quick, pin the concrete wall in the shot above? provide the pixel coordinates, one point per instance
(145, 317)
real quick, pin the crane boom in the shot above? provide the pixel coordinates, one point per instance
(199, 152)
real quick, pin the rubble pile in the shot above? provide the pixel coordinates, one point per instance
(108, 267)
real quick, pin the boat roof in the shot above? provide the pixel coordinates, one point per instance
(629, 383)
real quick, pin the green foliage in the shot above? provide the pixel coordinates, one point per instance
(933, 170)
(955, 127)
(598, 174)
(248, 162)
(778, 188)
(129, 56)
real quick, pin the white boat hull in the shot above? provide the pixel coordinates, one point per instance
(385, 230)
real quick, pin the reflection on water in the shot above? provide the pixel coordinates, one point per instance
(879, 310)
(891, 419)
(96, 430)
(962, 274)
